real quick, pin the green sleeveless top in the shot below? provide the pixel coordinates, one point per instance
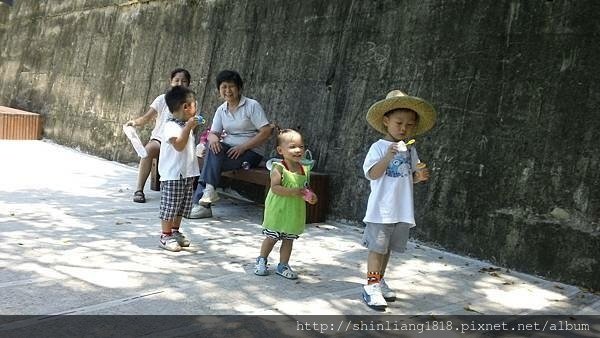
(286, 214)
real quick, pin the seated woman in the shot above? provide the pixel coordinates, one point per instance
(239, 131)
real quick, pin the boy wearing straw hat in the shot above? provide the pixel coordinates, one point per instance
(392, 168)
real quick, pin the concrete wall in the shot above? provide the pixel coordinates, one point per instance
(515, 153)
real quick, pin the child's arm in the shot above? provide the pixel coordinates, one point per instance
(278, 189)
(421, 175)
(379, 168)
(180, 142)
(312, 196)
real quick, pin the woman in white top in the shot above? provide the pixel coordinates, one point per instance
(238, 134)
(159, 112)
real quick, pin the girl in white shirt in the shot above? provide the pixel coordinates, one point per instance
(159, 112)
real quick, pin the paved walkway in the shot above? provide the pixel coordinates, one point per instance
(75, 243)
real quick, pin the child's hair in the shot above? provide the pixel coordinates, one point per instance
(229, 76)
(187, 75)
(281, 136)
(177, 96)
(405, 110)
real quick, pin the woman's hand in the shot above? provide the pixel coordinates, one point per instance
(131, 123)
(235, 152)
(214, 144)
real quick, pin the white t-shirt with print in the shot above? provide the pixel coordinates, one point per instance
(242, 125)
(173, 164)
(160, 105)
(391, 197)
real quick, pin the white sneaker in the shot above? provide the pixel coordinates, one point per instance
(229, 192)
(209, 195)
(388, 294)
(199, 211)
(181, 239)
(261, 267)
(169, 243)
(373, 297)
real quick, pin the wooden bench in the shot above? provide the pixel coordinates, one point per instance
(319, 183)
(18, 124)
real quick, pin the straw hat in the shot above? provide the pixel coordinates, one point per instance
(397, 100)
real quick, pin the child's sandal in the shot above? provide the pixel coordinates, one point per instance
(286, 271)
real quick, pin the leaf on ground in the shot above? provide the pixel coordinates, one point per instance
(559, 287)
(325, 227)
(494, 274)
(508, 283)
(122, 222)
(490, 269)
(470, 309)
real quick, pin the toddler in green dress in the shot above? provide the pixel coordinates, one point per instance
(285, 206)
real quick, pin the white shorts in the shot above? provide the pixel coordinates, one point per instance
(382, 238)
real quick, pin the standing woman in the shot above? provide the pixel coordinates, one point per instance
(238, 134)
(159, 112)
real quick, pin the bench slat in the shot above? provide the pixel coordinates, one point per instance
(319, 183)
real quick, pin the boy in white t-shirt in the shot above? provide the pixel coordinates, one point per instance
(392, 168)
(177, 166)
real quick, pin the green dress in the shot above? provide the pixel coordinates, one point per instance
(286, 214)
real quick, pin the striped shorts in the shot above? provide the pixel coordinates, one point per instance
(276, 235)
(176, 198)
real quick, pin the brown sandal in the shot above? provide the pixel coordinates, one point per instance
(139, 197)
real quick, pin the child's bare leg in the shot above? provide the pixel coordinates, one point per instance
(152, 148)
(176, 223)
(384, 263)
(166, 226)
(266, 247)
(374, 266)
(285, 251)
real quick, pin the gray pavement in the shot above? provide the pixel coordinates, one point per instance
(75, 243)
